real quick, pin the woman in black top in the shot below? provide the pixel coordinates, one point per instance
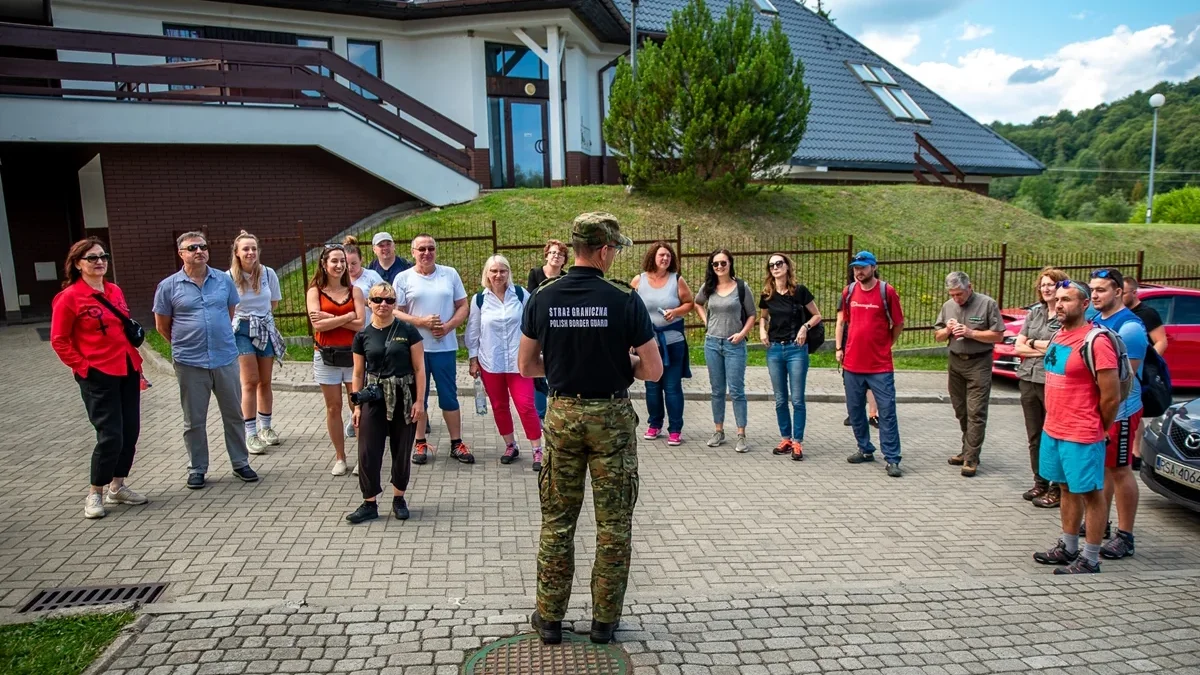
(790, 313)
(556, 258)
(390, 360)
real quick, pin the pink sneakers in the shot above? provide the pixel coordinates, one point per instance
(652, 433)
(675, 439)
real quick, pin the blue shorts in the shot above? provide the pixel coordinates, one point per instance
(1080, 466)
(245, 347)
(441, 367)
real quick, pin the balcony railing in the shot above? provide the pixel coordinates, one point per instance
(226, 72)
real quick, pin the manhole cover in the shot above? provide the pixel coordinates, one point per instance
(526, 655)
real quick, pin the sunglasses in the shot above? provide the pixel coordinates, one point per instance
(720, 263)
(1102, 274)
(192, 248)
(425, 249)
(776, 264)
(334, 247)
(383, 301)
(94, 259)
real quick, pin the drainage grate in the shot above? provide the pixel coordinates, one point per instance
(526, 655)
(57, 598)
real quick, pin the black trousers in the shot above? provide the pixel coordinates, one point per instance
(374, 431)
(114, 408)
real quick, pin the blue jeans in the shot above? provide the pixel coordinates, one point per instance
(539, 404)
(670, 388)
(883, 385)
(726, 366)
(787, 364)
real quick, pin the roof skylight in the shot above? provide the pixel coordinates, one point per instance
(889, 92)
(766, 7)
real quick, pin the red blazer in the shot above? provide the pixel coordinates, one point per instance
(86, 334)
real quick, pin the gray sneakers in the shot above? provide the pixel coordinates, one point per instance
(123, 496)
(256, 445)
(742, 445)
(271, 437)
(717, 440)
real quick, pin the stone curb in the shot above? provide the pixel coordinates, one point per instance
(126, 637)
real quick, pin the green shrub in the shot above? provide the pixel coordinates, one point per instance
(1176, 206)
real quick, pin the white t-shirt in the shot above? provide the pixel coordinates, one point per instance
(364, 282)
(258, 302)
(431, 294)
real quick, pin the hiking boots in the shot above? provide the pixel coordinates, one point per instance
(1051, 500)
(462, 453)
(420, 452)
(956, 460)
(859, 457)
(1056, 556)
(602, 633)
(549, 631)
(1034, 492)
(510, 453)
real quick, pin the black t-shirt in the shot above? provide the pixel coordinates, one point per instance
(586, 325)
(787, 313)
(537, 277)
(1148, 315)
(397, 338)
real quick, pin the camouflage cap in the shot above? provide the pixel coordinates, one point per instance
(599, 229)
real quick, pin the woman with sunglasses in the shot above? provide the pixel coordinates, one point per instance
(1041, 324)
(789, 313)
(259, 343)
(726, 307)
(493, 336)
(389, 385)
(87, 333)
(555, 253)
(668, 299)
(337, 311)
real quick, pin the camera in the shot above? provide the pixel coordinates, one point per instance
(367, 394)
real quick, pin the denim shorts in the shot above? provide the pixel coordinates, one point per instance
(245, 347)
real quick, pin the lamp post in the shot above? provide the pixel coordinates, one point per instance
(1156, 102)
(633, 60)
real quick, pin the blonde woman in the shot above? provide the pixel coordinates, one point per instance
(258, 341)
(493, 336)
(337, 311)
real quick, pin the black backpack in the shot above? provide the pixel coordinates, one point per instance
(1156, 384)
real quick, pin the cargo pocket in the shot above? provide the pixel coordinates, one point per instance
(544, 483)
(630, 469)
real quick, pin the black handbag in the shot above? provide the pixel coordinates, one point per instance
(338, 357)
(133, 330)
(816, 335)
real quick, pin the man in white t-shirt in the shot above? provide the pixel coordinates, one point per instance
(432, 298)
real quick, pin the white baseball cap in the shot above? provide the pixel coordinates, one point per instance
(381, 236)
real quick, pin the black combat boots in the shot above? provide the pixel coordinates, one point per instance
(549, 631)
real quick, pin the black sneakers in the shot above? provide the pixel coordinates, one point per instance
(365, 511)
(602, 633)
(549, 631)
(195, 481)
(1056, 556)
(859, 458)
(399, 508)
(246, 473)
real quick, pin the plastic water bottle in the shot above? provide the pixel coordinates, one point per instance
(480, 397)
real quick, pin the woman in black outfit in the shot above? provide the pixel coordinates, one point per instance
(389, 361)
(555, 253)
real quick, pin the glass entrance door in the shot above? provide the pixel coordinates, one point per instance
(529, 159)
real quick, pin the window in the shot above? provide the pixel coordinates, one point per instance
(365, 55)
(1187, 311)
(1161, 304)
(315, 43)
(885, 87)
(170, 30)
(514, 61)
(765, 7)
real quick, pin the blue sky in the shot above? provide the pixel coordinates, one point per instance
(1014, 60)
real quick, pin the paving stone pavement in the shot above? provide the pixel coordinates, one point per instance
(712, 526)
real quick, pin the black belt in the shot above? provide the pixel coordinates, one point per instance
(590, 395)
(968, 357)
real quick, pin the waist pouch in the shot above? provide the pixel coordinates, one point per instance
(338, 357)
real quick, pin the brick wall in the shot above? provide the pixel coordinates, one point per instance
(154, 192)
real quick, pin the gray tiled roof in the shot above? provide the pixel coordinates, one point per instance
(847, 126)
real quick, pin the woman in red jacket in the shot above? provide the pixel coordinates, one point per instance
(89, 337)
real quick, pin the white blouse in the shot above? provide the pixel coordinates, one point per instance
(494, 330)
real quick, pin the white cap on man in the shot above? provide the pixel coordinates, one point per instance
(381, 237)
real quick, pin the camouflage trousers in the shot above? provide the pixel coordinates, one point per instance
(583, 435)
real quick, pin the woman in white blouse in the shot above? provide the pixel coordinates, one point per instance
(493, 335)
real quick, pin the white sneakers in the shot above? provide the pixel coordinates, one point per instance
(355, 472)
(339, 468)
(93, 506)
(269, 436)
(256, 445)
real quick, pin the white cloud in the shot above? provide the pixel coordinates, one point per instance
(973, 31)
(991, 85)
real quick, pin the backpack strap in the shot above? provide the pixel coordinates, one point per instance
(520, 293)
(479, 300)
(741, 290)
(887, 310)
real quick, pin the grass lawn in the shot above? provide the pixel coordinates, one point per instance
(64, 646)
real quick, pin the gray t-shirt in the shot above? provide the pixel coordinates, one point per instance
(726, 314)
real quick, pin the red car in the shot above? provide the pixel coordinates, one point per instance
(1180, 310)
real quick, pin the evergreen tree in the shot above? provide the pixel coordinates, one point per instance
(721, 103)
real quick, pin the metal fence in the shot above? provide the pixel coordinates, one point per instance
(821, 264)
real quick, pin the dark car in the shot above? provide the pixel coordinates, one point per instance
(1171, 454)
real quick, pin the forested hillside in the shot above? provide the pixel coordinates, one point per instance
(1099, 158)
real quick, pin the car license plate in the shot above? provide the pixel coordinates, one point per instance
(1180, 473)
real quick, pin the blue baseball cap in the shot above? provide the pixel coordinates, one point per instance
(863, 259)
